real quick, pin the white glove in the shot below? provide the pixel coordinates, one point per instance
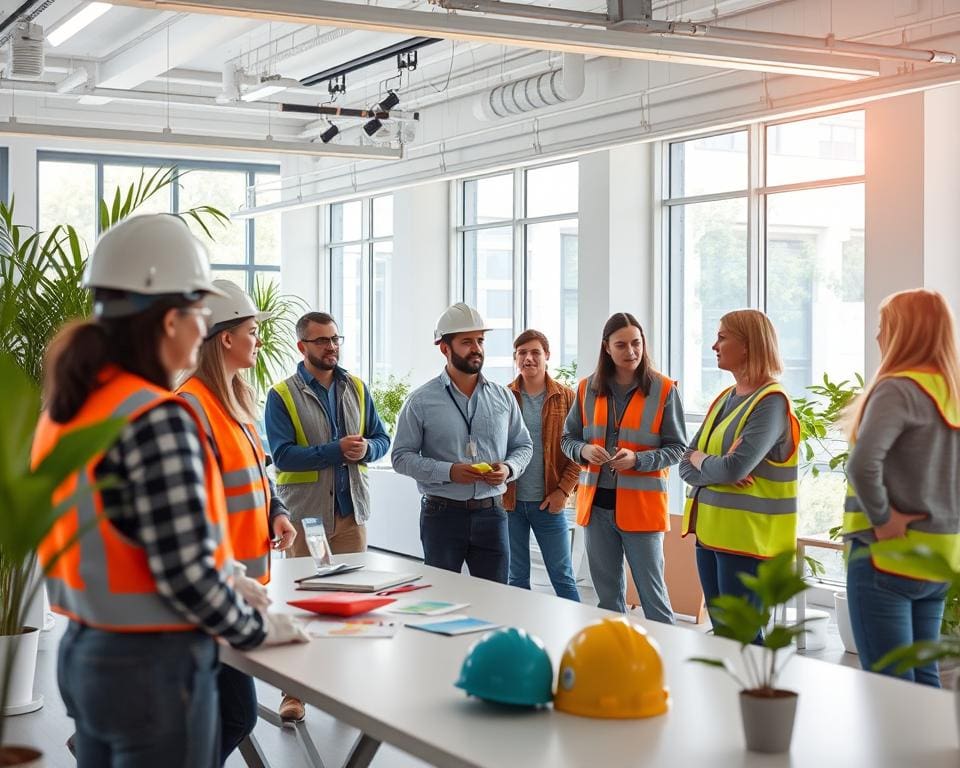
(250, 590)
(282, 628)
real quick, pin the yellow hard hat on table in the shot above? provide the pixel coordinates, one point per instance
(611, 669)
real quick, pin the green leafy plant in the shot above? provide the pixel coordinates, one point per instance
(566, 374)
(41, 272)
(936, 565)
(278, 335)
(741, 618)
(388, 396)
(818, 415)
(26, 496)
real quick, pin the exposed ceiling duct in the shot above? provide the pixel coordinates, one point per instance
(544, 90)
(26, 52)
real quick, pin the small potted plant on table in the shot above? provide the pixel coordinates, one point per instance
(768, 712)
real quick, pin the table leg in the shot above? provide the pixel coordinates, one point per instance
(252, 754)
(801, 600)
(363, 752)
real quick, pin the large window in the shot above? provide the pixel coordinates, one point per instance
(518, 245)
(361, 257)
(770, 217)
(69, 188)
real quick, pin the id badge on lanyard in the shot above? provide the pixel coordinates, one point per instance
(473, 450)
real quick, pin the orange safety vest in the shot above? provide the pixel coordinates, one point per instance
(242, 464)
(102, 579)
(641, 497)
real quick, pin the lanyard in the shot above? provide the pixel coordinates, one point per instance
(468, 422)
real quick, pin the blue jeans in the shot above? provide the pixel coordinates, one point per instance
(606, 546)
(553, 538)
(140, 700)
(888, 611)
(238, 709)
(719, 575)
(452, 535)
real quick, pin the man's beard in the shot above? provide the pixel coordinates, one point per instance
(464, 364)
(318, 362)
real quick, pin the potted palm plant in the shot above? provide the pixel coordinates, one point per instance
(767, 711)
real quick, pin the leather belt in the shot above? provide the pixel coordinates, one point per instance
(441, 502)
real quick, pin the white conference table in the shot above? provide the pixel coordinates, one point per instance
(400, 691)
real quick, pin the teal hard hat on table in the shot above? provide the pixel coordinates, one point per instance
(508, 666)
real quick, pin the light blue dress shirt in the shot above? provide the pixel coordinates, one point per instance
(432, 435)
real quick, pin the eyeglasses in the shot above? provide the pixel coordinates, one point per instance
(204, 313)
(325, 341)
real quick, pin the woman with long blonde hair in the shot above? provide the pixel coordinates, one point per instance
(742, 464)
(257, 518)
(904, 471)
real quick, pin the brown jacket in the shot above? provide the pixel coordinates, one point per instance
(558, 470)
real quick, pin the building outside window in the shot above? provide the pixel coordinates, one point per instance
(360, 245)
(70, 186)
(518, 249)
(770, 217)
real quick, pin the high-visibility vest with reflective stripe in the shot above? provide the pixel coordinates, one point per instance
(312, 476)
(641, 497)
(102, 578)
(947, 544)
(242, 465)
(759, 520)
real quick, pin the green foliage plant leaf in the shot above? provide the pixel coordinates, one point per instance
(278, 335)
(389, 395)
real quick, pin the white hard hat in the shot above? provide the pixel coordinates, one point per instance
(149, 255)
(233, 304)
(458, 318)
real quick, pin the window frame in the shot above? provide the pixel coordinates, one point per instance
(756, 196)
(519, 223)
(367, 244)
(5, 175)
(249, 267)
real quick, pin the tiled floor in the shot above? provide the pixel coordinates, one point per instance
(48, 728)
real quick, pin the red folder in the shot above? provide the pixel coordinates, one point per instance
(341, 603)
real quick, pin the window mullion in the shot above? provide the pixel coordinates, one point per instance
(755, 218)
(519, 253)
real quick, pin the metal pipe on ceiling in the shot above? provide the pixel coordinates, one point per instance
(828, 44)
(374, 57)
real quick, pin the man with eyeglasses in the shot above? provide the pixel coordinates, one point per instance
(323, 430)
(462, 438)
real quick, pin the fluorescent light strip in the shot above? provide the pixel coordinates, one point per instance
(83, 18)
(262, 91)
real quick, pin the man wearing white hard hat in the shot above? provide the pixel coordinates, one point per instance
(461, 437)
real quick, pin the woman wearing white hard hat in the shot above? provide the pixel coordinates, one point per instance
(145, 575)
(255, 514)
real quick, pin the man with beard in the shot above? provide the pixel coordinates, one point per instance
(461, 437)
(323, 430)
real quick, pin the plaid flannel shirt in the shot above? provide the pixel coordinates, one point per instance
(160, 503)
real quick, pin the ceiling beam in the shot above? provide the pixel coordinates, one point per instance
(541, 36)
(167, 48)
(14, 127)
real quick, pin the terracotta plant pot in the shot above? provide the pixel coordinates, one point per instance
(768, 716)
(20, 757)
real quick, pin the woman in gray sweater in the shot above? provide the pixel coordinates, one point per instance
(904, 467)
(742, 464)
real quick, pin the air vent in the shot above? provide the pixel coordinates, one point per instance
(26, 52)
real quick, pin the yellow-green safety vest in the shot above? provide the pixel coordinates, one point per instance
(855, 519)
(759, 520)
(312, 476)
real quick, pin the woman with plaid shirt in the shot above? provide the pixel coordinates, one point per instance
(147, 589)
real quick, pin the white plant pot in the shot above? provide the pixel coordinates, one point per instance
(843, 622)
(768, 720)
(20, 698)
